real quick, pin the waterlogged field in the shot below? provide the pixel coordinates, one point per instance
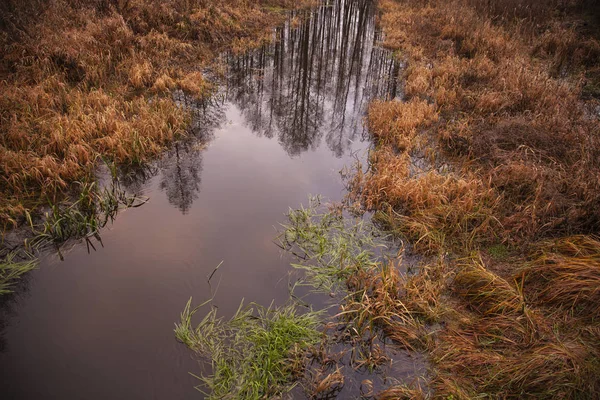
(381, 200)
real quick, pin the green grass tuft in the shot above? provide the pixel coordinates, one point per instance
(330, 246)
(256, 354)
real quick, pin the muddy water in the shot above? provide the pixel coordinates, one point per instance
(288, 118)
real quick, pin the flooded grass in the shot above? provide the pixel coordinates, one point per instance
(256, 354)
(11, 269)
(330, 245)
(486, 170)
(338, 255)
(353, 261)
(82, 218)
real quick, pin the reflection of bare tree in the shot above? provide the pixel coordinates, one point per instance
(180, 175)
(134, 177)
(181, 166)
(316, 79)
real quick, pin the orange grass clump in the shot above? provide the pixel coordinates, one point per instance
(375, 300)
(566, 273)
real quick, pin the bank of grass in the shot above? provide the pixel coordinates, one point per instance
(82, 80)
(491, 165)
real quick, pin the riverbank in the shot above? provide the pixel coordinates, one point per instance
(490, 166)
(92, 81)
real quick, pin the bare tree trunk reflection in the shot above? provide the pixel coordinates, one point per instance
(315, 80)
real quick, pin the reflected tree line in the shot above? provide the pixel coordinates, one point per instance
(315, 79)
(313, 82)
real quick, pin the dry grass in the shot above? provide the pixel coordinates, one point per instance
(474, 86)
(435, 209)
(495, 144)
(485, 291)
(375, 301)
(86, 79)
(565, 273)
(401, 393)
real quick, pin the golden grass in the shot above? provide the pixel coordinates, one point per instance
(397, 121)
(435, 209)
(375, 300)
(401, 393)
(485, 291)
(495, 144)
(566, 273)
(475, 87)
(560, 369)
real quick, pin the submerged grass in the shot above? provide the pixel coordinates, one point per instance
(331, 246)
(257, 354)
(356, 261)
(11, 270)
(82, 218)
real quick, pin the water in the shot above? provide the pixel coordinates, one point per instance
(287, 119)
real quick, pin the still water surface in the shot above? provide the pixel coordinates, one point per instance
(287, 119)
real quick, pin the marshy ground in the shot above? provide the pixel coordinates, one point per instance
(459, 259)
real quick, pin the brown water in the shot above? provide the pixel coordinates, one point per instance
(288, 118)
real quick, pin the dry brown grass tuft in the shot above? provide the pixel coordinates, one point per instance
(559, 369)
(565, 273)
(432, 208)
(375, 300)
(396, 122)
(485, 291)
(423, 291)
(324, 384)
(401, 393)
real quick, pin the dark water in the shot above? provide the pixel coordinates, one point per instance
(99, 325)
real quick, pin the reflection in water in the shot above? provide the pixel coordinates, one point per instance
(181, 167)
(180, 178)
(315, 79)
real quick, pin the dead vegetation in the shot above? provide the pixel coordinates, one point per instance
(83, 80)
(491, 162)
